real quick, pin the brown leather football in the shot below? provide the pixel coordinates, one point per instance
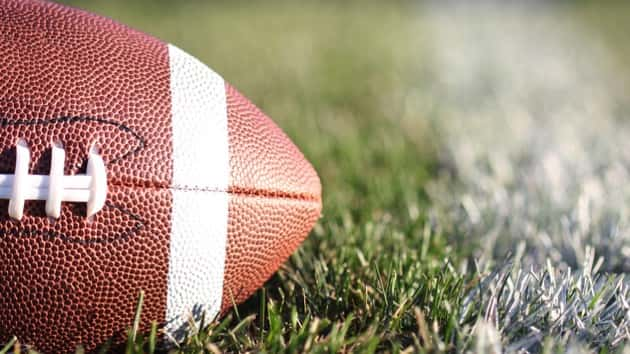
(128, 165)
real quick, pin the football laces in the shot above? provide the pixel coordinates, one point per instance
(54, 188)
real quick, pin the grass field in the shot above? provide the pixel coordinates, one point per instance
(472, 162)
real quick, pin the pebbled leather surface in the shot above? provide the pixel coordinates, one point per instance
(79, 78)
(275, 199)
(263, 160)
(257, 248)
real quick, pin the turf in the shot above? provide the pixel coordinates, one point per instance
(395, 264)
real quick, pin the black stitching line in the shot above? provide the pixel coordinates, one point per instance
(4, 122)
(122, 237)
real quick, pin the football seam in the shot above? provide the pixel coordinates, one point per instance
(141, 143)
(234, 191)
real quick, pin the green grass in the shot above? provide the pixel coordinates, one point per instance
(340, 79)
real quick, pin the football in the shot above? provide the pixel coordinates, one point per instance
(127, 165)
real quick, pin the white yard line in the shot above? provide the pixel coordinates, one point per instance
(533, 126)
(534, 130)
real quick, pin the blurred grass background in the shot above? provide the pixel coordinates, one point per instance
(340, 78)
(336, 76)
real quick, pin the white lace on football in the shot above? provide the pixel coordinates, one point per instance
(90, 188)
